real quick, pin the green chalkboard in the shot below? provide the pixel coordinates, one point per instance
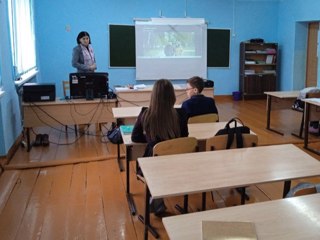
(122, 46)
(218, 47)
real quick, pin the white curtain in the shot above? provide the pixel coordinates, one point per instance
(22, 36)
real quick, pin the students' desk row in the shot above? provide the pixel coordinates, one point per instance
(279, 100)
(286, 219)
(178, 175)
(141, 97)
(62, 112)
(201, 131)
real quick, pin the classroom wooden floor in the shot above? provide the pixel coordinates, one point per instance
(73, 189)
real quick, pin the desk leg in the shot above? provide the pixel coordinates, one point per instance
(28, 140)
(269, 100)
(204, 198)
(286, 188)
(129, 196)
(146, 219)
(306, 124)
(119, 158)
(306, 127)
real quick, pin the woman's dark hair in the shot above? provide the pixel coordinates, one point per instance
(196, 82)
(81, 35)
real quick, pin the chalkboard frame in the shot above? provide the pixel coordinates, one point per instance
(122, 47)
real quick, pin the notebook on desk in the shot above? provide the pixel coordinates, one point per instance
(126, 129)
(215, 230)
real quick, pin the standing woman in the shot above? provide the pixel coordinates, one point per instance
(83, 56)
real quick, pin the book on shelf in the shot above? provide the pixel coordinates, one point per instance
(269, 59)
(269, 71)
(250, 62)
(260, 62)
(271, 50)
(261, 51)
(214, 230)
(251, 51)
(249, 71)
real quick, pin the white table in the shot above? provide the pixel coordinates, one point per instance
(141, 97)
(66, 112)
(279, 100)
(183, 174)
(201, 131)
(286, 219)
(312, 113)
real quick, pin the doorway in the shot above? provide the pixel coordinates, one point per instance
(312, 58)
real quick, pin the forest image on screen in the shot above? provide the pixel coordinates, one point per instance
(162, 44)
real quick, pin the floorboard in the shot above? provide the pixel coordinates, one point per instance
(73, 188)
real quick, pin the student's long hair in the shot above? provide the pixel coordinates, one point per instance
(161, 120)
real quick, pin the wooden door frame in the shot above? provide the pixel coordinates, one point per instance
(312, 59)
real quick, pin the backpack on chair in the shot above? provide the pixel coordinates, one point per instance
(236, 129)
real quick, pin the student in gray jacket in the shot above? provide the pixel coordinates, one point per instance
(83, 55)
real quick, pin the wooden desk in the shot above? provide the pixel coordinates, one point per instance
(286, 219)
(127, 114)
(177, 175)
(279, 100)
(62, 112)
(141, 97)
(201, 131)
(312, 113)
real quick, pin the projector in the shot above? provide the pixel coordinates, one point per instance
(34, 92)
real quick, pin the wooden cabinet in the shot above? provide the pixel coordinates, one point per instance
(258, 69)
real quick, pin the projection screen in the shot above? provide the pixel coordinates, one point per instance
(171, 48)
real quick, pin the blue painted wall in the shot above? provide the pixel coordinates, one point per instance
(246, 19)
(282, 21)
(292, 35)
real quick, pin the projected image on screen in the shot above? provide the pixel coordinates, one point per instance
(159, 44)
(173, 50)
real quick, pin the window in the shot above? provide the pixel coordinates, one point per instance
(22, 37)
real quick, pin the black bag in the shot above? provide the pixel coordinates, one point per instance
(235, 130)
(114, 135)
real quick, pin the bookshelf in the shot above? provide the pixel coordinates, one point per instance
(258, 69)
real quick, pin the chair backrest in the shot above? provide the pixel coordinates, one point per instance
(220, 142)
(204, 118)
(305, 191)
(65, 87)
(175, 146)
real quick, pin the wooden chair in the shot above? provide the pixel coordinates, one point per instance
(66, 90)
(305, 191)
(204, 118)
(220, 143)
(175, 146)
(308, 95)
